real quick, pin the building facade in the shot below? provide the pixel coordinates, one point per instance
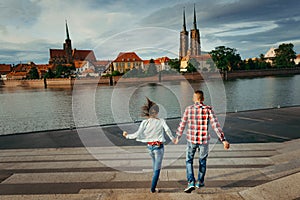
(127, 61)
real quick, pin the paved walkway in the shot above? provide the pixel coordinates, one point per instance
(247, 171)
(256, 170)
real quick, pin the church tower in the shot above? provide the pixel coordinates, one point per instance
(195, 46)
(68, 47)
(183, 39)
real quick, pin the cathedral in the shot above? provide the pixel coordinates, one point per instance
(67, 55)
(195, 46)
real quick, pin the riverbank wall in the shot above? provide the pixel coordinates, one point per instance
(260, 73)
(191, 77)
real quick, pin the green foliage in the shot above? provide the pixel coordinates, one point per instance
(285, 56)
(33, 73)
(116, 73)
(225, 58)
(175, 64)
(64, 71)
(49, 74)
(193, 65)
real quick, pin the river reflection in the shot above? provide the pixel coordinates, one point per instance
(26, 110)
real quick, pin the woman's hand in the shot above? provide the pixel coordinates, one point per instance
(226, 145)
(175, 140)
(125, 134)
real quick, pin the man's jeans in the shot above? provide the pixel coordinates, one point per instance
(190, 152)
(156, 153)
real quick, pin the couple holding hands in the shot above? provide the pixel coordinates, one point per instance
(197, 117)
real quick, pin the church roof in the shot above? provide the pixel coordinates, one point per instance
(77, 54)
(57, 53)
(84, 55)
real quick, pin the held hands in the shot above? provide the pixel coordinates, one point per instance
(175, 140)
(226, 145)
(125, 134)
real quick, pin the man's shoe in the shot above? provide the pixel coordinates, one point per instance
(198, 184)
(155, 191)
(190, 187)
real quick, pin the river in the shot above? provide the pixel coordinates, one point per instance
(28, 110)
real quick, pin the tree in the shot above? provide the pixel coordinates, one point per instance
(175, 64)
(64, 71)
(33, 73)
(49, 74)
(116, 73)
(225, 58)
(285, 55)
(250, 64)
(192, 65)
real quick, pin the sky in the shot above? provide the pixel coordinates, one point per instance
(29, 28)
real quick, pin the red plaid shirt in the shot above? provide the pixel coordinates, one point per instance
(197, 117)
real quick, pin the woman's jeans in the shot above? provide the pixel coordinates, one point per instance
(156, 152)
(190, 153)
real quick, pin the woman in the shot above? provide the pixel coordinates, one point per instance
(151, 132)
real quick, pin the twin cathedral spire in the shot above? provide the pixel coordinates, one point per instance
(195, 47)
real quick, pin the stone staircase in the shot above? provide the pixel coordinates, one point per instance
(246, 171)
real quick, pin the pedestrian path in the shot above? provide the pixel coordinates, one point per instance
(246, 171)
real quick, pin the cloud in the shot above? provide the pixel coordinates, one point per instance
(16, 12)
(252, 27)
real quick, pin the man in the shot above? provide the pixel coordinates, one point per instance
(197, 117)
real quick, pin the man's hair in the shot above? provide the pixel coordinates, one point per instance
(200, 94)
(149, 109)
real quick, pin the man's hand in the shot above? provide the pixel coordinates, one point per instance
(226, 145)
(125, 134)
(176, 140)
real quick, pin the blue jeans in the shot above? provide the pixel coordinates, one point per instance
(190, 153)
(156, 152)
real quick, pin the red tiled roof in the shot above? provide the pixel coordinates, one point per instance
(77, 54)
(79, 63)
(44, 66)
(83, 55)
(128, 57)
(163, 59)
(5, 68)
(157, 61)
(16, 74)
(57, 53)
(88, 71)
(23, 67)
(102, 62)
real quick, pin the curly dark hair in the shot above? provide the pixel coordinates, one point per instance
(150, 108)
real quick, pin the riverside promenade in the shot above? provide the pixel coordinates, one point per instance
(262, 163)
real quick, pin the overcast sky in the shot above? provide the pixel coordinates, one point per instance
(29, 28)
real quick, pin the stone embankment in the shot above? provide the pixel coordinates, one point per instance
(192, 77)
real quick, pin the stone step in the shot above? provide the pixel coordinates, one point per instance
(283, 188)
(241, 148)
(234, 174)
(139, 164)
(168, 155)
(53, 197)
(111, 195)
